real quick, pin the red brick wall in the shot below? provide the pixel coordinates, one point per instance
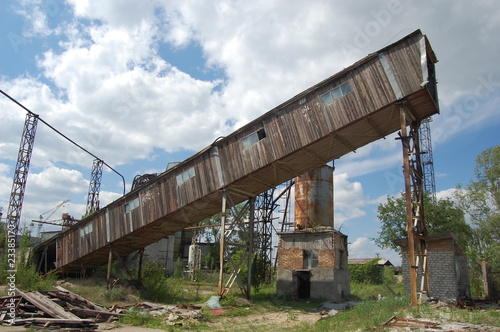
(326, 258)
(290, 258)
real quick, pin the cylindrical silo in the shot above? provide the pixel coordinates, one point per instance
(314, 198)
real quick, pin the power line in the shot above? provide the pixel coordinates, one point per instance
(66, 137)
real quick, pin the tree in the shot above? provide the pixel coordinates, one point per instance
(481, 200)
(441, 216)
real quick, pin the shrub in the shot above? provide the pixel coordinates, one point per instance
(368, 273)
(158, 287)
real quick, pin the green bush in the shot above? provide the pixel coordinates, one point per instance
(158, 287)
(116, 293)
(368, 273)
(27, 278)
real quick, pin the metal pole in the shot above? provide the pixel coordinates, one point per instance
(222, 245)
(250, 247)
(409, 211)
(110, 259)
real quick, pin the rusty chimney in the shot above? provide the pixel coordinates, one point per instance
(314, 198)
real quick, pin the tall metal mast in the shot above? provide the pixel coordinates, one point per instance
(94, 187)
(21, 172)
(426, 157)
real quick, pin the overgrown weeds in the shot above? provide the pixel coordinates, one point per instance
(136, 317)
(157, 286)
(26, 276)
(364, 315)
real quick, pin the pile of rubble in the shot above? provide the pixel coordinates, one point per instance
(53, 309)
(63, 309)
(173, 314)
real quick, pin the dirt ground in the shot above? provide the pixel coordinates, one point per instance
(256, 322)
(264, 322)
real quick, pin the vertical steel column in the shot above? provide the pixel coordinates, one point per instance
(110, 260)
(222, 244)
(21, 173)
(409, 214)
(250, 247)
(415, 219)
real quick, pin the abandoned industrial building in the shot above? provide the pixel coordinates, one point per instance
(385, 92)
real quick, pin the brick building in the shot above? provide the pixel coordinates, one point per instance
(312, 259)
(313, 264)
(447, 265)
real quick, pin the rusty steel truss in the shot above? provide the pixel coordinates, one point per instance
(254, 221)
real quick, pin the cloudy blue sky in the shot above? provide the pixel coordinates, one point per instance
(144, 83)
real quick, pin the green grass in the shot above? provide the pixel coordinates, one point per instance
(490, 317)
(370, 292)
(364, 315)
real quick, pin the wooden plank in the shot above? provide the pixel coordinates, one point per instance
(79, 298)
(46, 305)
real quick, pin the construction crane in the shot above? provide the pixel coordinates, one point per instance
(53, 210)
(65, 221)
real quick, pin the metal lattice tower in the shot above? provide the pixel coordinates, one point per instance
(21, 172)
(426, 157)
(264, 206)
(94, 187)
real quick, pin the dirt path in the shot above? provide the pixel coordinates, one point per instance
(270, 321)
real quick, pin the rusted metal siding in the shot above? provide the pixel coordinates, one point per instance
(287, 141)
(314, 198)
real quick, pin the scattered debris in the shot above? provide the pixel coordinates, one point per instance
(326, 313)
(243, 301)
(173, 314)
(337, 306)
(412, 323)
(52, 309)
(213, 302)
(218, 311)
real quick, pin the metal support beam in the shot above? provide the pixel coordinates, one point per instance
(251, 218)
(222, 244)
(415, 219)
(110, 260)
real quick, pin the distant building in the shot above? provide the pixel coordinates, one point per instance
(361, 261)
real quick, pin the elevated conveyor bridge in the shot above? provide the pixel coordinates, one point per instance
(346, 111)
